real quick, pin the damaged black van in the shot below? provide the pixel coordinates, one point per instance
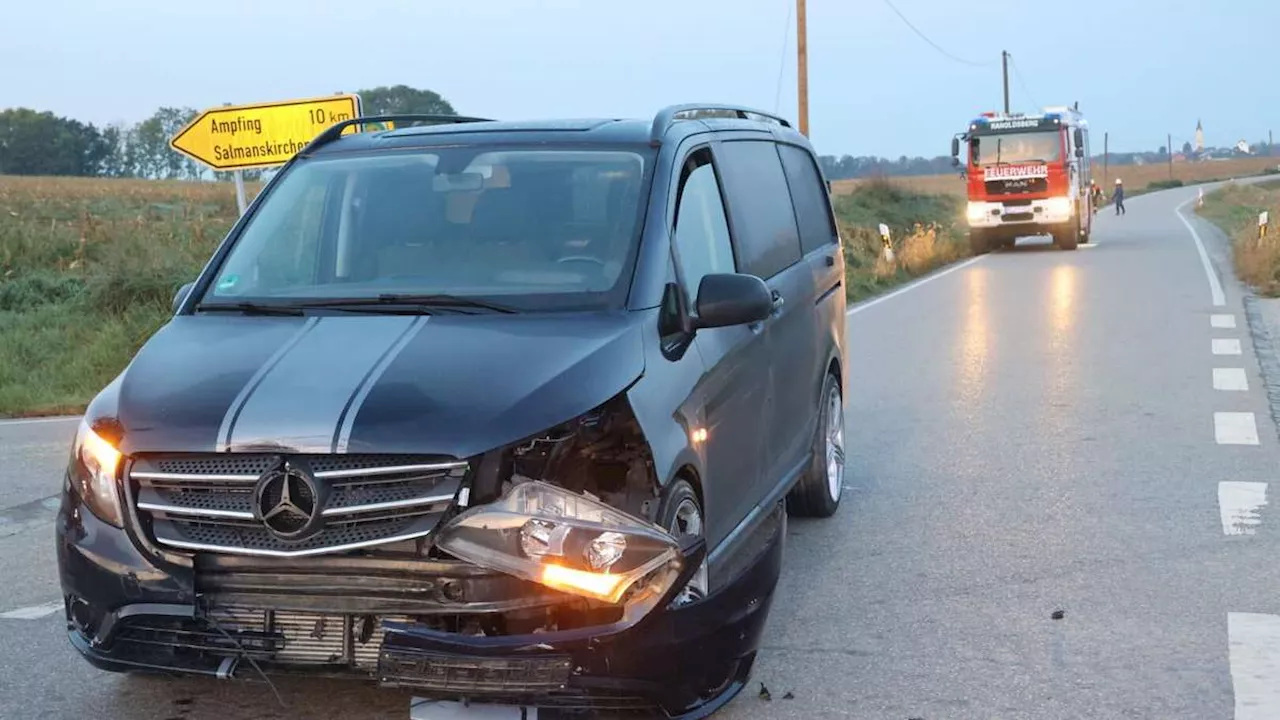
(504, 412)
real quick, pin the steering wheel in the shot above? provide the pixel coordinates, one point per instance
(582, 258)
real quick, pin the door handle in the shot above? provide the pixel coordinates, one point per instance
(777, 301)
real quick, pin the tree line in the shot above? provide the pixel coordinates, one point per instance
(42, 143)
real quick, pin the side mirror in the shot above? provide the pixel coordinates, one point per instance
(728, 299)
(181, 296)
(1079, 151)
(1079, 138)
(955, 149)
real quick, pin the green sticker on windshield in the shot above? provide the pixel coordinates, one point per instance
(228, 282)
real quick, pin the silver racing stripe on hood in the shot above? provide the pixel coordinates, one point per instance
(305, 398)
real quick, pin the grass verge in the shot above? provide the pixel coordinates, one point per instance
(1235, 208)
(923, 227)
(88, 268)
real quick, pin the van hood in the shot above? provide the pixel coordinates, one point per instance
(454, 385)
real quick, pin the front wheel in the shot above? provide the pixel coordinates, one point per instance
(979, 242)
(681, 515)
(818, 492)
(1069, 238)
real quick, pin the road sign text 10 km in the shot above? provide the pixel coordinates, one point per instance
(236, 137)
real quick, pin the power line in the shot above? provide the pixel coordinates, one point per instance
(1017, 72)
(782, 62)
(935, 45)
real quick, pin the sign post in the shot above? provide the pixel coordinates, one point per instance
(240, 137)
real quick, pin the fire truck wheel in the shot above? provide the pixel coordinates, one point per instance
(1069, 238)
(979, 242)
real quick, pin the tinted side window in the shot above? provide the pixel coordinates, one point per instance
(764, 224)
(809, 195)
(701, 232)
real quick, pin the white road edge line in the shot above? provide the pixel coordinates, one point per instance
(39, 421)
(1235, 428)
(1215, 287)
(1240, 504)
(1226, 322)
(1231, 379)
(1226, 346)
(912, 285)
(1253, 642)
(33, 612)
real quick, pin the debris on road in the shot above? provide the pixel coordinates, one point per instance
(789, 696)
(764, 693)
(1058, 614)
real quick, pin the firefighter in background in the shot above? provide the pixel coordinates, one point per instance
(1095, 196)
(1118, 197)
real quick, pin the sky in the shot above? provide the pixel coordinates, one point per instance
(1139, 68)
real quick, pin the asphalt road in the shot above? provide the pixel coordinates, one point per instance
(1034, 433)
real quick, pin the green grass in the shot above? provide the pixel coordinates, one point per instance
(925, 229)
(1235, 208)
(88, 268)
(87, 271)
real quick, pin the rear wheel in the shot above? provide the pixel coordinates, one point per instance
(818, 492)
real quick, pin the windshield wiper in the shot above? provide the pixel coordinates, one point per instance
(249, 308)
(400, 300)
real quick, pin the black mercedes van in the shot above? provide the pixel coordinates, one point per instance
(509, 412)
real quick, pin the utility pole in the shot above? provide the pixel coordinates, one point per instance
(1004, 61)
(1269, 153)
(802, 65)
(1106, 156)
(1169, 149)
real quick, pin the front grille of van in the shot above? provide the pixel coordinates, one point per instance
(216, 503)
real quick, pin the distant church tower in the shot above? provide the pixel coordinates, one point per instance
(1199, 137)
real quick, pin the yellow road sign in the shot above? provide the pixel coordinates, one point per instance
(235, 137)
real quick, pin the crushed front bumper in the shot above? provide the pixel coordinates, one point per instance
(130, 610)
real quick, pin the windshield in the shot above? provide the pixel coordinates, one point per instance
(1016, 148)
(536, 226)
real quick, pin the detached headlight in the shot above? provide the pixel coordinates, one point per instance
(94, 465)
(976, 211)
(1059, 206)
(568, 542)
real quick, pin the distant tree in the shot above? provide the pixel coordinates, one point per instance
(1163, 151)
(41, 143)
(1187, 149)
(152, 155)
(403, 100)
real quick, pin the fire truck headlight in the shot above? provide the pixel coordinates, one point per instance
(1059, 207)
(976, 211)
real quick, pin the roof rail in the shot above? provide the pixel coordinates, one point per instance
(334, 131)
(666, 116)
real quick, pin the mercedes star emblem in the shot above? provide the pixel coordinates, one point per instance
(289, 501)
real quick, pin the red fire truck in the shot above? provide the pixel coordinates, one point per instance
(1027, 175)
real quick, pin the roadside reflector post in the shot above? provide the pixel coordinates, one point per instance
(1200, 198)
(1263, 221)
(887, 242)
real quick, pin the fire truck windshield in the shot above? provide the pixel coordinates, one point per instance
(1016, 148)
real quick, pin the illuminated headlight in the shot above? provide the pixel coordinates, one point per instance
(976, 211)
(569, 542)
(1058, 206)
(94, 464)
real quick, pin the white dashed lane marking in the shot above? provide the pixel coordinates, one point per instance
(1235, 428)
(1240, 504)
(1230, 379)
(1222, 321)
(33, 612)
(1226, 346)
(1254, 642)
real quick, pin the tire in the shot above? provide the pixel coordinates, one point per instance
(819, 490)
(1069, 239)
(681, 515)
(979, 242)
